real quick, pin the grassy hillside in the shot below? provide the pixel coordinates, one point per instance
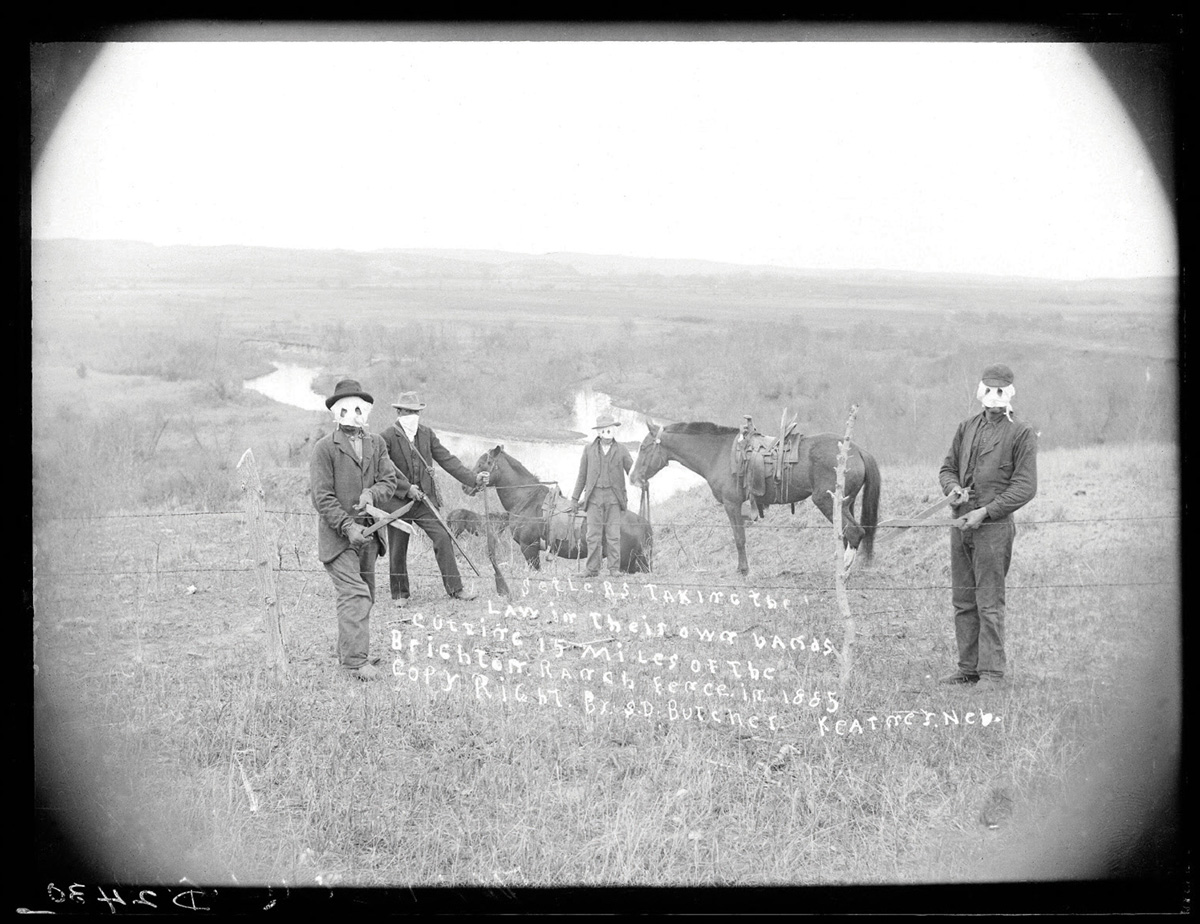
(179, 329)
(179, 755)
(150, 648)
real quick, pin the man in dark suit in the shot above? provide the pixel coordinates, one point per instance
(601, 481)
(991, 472)
(413, 449)
(350, 470)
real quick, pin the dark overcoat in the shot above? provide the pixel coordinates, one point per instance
(414, 464)
(337, 477)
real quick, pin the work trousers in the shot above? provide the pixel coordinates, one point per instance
(443, 552)
(603, 530)
(979, 560)
(353, 575)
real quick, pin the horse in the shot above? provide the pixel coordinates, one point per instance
(563, 533)
(461, 520)
(707, 448)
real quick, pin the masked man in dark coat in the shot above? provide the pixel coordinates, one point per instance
(350, 469)
(413, 448)
(991, 471)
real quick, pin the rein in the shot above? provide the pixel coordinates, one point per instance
(644, 511)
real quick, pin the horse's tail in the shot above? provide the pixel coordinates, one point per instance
(870, 503)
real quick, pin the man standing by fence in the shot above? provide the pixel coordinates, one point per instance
(601, 480)
(413, 448)
(350, 469)
(991, 472)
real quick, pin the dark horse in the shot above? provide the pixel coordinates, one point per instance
(707, 448)
(524, 497)
(460, 520)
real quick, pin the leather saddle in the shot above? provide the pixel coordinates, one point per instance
(562, 527)
(756, 457)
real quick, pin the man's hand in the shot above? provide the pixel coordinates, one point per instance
(357, 536)
(959, 495)
(364, 500)
(482, 478)
(416, 493)
(973, 519)
(574, 506)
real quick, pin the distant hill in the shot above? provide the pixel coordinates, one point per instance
(135, 264)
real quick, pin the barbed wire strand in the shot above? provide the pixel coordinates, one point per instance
(676, 528)
(539, 577)
(668, 525)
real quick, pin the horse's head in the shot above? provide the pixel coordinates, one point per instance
(651, 457)
(485, 463)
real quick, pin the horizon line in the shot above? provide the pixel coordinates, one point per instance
(782, 268)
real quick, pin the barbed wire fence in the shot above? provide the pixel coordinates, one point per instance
(668, 529)
(280, 544)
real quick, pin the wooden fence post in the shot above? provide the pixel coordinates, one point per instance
(839, 567)
(252, 495)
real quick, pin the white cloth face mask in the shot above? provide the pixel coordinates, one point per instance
(607, 433)
(351, 412)
(408, 423)
(996, 396)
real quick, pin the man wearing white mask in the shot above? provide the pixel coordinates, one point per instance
(990, 472)
(601, 480)
(350, 469)
(413, 448)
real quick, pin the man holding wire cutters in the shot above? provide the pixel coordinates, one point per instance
(990, 472)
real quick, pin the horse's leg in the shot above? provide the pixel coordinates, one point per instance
(852, 530)
(852, 533)
(530, 542)
(733, 510)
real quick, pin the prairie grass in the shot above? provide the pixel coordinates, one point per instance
(178, 754)
(206, 766)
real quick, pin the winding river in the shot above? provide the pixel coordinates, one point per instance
(550, 460)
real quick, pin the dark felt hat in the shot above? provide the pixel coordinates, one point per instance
(347, 388)
(408, 401)
(606, 420)
(997, 375)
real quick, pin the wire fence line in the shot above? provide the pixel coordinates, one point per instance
(675, 528)
(661, 525)
(547, 576)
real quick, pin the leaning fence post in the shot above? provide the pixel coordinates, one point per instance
(252, 495)
(839, 492)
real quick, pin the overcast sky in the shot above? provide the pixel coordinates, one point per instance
(1006, 158)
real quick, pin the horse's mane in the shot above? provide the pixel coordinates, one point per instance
(518, 466)
(699, 428)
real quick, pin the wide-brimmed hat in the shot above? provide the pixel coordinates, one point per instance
(408, 401)
(347, 388)
(606, 420)
(997, 375)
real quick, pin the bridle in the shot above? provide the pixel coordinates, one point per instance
(657, 442)
(492, 456)
(475, 488)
